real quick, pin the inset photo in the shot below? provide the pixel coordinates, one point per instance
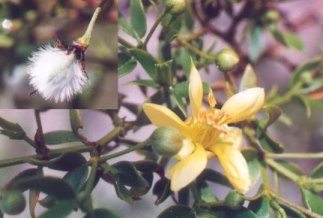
(58, 54)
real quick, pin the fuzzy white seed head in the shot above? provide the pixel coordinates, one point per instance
(55, 74)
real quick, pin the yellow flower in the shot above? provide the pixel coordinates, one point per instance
(206, 134)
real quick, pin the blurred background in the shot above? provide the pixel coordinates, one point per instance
(25, 25)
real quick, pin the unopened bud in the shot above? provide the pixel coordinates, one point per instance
(227, 59)
(175, 7)
(166, 141)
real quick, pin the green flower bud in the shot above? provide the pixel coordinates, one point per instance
(233, 199)
(226, 59)
(271, 16)
(166, 141)
(13, 202)
(175, 7)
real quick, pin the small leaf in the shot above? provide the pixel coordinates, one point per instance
(214, 176)
(7, 125)
(181, 89)
(77, 177)
(60, 137)
(146, 60)
(249, 78)
(179, 101)
(60, 209)
(126, 64)
(267, 142)
(254, 165)
(205, 192)
(305, 68)
(138, 19)
(144, 82)
(178, 211)
(306, 104)
(28, 173)
(76, 120)
(260, 207)
(162, 190)
(102, 213)
(312, 200)
(125, 26)
(317, 171)
(56, 187)
(68, 162)
(288, 39)
(128, 175)
(273, 112)
(256, 42)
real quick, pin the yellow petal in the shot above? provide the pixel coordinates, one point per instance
(163, 117)
(232, 137)
(187, 149)
(243, 105)
(195, 90)
(234, 165)
(187, 170)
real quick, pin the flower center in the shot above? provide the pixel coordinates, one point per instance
(206, 128)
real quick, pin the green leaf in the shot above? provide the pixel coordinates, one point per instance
(249, 78)
(273, 112)
(28, 173)
(260, 207)
(181, 89)
(129, 175)
(138, 19)
(205, 192)
(288, 39)
(76, 120)
(267, 142)
(144, 82)
(55, 187)
(254, 165)
(102, 213)
(126, 27)
(179, 101)
(146, 60)
(77, 177)
(60, 137)
(126, 64)
(7, 125)
(214, 176)
(162, 190)
(12, 130)
(69, 161)
(306, 103)
(256, 42)
(305, 68)
(317, 171)
(177, 211)
(312, 201)
(61, 209)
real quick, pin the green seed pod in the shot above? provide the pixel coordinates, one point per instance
(226, 59)
(233, 199)
(175, 7)
(12, 202)
(166, 141)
